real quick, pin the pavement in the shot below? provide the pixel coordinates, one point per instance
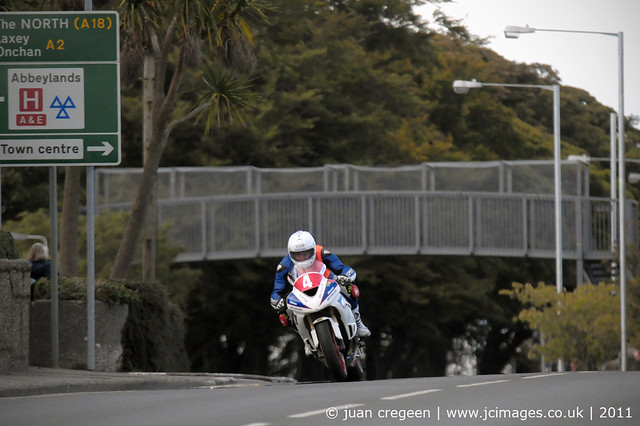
(40, 381)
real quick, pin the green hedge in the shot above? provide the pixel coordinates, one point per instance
(8, 249)
(152, 337)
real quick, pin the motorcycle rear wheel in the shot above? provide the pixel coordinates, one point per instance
(332, 354)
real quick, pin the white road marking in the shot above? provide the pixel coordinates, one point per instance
(481, 383)
(323, 411)
(408, 395)
(544, 375)
(233, 385)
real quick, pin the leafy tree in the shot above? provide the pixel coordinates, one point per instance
(229, 323)
(167, 36)
(23, 189)
(341, 81)
(633, 297)
(581, 326)
(351, 82)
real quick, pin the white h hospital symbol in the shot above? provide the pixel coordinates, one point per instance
(30, 100)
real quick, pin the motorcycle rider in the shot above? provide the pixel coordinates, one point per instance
(303, 252)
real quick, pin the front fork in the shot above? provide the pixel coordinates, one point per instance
(325, 315)
(356, 347)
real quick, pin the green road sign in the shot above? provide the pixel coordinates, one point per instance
(59, 88)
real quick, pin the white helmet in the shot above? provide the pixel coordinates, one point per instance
(302, 249)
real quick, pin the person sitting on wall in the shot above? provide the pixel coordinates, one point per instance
(40, 264)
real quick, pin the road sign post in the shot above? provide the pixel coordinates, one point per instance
(59, 88)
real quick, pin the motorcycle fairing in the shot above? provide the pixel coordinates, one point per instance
(305, 296)
(330, 288)
(308, 281)
(293, 301)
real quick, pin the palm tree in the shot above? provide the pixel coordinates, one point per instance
(167, 36)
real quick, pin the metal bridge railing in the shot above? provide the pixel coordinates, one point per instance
(119, 185)
(384, 222)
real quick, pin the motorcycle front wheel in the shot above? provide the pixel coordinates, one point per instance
(332, 354)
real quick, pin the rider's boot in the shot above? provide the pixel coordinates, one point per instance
(362, 330)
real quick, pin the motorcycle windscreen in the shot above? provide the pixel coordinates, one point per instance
(317, 266)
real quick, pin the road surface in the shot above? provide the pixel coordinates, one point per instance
(589, 398)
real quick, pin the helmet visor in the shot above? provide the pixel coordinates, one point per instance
(301, 256)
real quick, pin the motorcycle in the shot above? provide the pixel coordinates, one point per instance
(322, 316)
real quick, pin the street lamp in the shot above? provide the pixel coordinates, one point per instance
(512, 31)
(463, 87)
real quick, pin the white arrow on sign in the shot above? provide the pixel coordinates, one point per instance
(106, 147)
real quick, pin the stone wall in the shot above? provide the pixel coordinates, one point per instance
(14, 315)
(72, 334)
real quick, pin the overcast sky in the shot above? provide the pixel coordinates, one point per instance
(586, 61)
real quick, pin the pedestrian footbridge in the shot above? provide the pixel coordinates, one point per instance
(482, 209)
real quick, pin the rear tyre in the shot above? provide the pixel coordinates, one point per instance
(332, 355)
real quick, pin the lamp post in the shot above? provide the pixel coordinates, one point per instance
(512, 31)
(463, 87)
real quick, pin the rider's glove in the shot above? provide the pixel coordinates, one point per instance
(280, 305)
(343, 280)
